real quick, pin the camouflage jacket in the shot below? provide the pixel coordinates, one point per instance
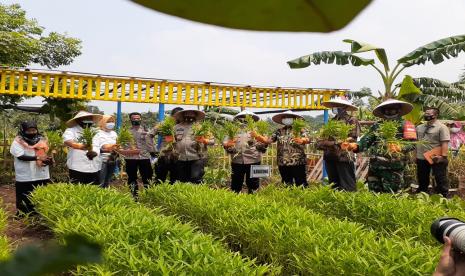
(379, 157)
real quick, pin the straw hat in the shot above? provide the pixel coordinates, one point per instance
(278, 118)
(244, 113)
(405, 107)
(340, 103)
(81, 114)
(199, 115)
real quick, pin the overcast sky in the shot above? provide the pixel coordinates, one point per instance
(119, 37)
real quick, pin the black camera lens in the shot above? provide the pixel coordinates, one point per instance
(452, 228)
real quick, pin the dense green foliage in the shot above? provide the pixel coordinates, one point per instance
(391, 215)
(135, 239)
(301, 241)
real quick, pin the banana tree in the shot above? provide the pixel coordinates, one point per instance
(435, 52)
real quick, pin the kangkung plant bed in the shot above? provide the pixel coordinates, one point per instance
(136, 240)
(303, 242)
(4, 248)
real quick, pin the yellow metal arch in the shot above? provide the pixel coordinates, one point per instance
(84, 86)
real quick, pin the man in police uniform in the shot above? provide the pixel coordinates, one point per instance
(386, 171)
(339, 163)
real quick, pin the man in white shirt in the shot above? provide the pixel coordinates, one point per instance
(83, 166)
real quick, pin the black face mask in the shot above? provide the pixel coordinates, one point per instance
(30, 139)
(135, 123)
(86, 124)
(428, 117)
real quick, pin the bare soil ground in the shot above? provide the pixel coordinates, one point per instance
(21, 231)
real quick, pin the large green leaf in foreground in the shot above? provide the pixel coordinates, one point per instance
(269, 15)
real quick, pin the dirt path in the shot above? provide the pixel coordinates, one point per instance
(20, 231)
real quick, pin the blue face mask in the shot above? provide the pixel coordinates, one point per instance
(110, 126)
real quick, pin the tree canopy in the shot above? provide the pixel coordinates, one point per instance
(24, 42)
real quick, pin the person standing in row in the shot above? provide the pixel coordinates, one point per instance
(433, 134)
(387, 166)
(83, 166)
(339, 163)
(191, 152)
(31, 164)
(292, 159)
(105, 140)
(245, 152)
(143, 140)
(166, 163)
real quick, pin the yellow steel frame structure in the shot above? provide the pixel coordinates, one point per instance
(70, 85)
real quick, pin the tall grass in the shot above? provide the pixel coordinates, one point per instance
(136, 240)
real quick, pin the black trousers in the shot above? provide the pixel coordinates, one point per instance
(238, 171)
(76, 177)
(164, 167)
(440, 175)
(190, 171)
(341, 174)
(145, 169)
(23, 190)
(294, 175)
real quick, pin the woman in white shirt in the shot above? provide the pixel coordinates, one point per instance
(31, 164)
(105, 140)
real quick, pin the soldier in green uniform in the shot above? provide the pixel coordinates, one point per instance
(386, 171)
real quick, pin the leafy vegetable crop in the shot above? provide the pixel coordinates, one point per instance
(136, 240)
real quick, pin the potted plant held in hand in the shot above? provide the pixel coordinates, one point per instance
(335, 133)
(298, 126)
(259, 130)
(202, 132)
(125, 144)
(231, 129)
(86, 138)
(166, 129)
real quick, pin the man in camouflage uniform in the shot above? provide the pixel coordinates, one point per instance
(386, 171)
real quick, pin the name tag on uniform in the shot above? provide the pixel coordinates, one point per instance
(260, 171)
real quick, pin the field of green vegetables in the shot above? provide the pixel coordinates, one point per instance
(391, 215)
(185, 229)
(296, 238)
(136, 240)
(4, 251)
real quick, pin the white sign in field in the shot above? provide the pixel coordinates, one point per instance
(260, 171)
